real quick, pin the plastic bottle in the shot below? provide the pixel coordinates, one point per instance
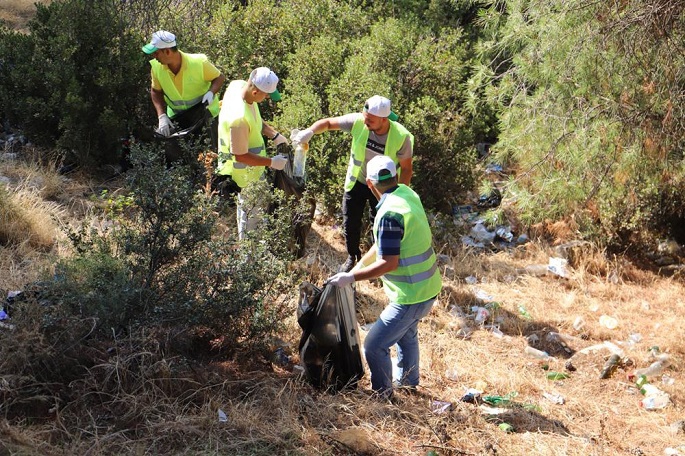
(610, 366)
(299, 159)
(535, 353)
(655, 368)
(300, 156)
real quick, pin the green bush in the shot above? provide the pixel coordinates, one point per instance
(76, 81)
(588, 115)
(159, 262)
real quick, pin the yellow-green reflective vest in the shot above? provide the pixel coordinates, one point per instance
(417, 278)
(233, 110)
(360, 135)
(193, 86)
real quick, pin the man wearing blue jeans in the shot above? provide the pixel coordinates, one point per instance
(403, 257)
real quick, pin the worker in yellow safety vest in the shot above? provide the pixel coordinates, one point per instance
(242, 152)
(181, 81)
(375, 132)
(403, 257)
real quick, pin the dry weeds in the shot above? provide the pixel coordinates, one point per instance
(137, 400)
(16, 13)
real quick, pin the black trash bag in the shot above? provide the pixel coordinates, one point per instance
(329, 346)
(295, 186)
(190, 127)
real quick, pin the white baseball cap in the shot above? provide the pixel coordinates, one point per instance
(380, 168)
(266, 81)
(160, 40)
(379, 106)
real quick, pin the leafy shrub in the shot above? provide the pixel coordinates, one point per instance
(159, 262)
(75, 80)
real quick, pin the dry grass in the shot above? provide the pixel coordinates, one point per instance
(137, 400)
(16, 13)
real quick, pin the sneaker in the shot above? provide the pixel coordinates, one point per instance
(349, 263)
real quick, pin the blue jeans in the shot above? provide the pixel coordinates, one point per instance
(397, 324)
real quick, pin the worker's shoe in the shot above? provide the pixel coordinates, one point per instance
(349, 263)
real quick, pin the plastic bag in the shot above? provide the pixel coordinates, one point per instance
(293, 186)
(329, 346)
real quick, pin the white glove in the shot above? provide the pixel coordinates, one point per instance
(278, 162)
(341, 279)
(303, 137)
(207, 99)
(164, 128)
(279, 139)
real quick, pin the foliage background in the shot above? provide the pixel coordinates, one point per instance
(581, 99)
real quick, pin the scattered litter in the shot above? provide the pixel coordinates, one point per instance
(481, 314)
(678, 427)
(222, 416)
(492, 410)
(471, 280)
(558, 266)
(655, 368)
(535, 353)
(438, 407)
(675, 451)
(280, 357)
(554, 398)
(482, 295)
(552, 375)
(472, 396)
(524, 313)
(481, 234)
(496, 331)
(504, 233)
(666, 380)
(606, 345)
(610, 366)
(578, 323)
(634, 338)
(608, 322)
(3, 315)
(500, 400)
(396, 369)
(451, 373)
(506, 427)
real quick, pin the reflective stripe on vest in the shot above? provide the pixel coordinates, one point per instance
(193, 85)
(397, 134)
(417, 277)
(235, 110)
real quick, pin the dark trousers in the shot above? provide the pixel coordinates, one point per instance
(353, 210)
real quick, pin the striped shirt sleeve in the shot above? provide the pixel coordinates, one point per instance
(390, 233)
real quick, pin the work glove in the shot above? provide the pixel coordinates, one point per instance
(278, 162)
(303, 137)
(341, 279)
(208, 98)
(164, 128)
(279, 139)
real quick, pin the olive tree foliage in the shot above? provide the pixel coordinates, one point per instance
(589, 96)
(73, 80)
(331, 56)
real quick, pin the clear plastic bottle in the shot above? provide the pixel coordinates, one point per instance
(299, 159)
(655, 368)
(300, 156)
(535, 353)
